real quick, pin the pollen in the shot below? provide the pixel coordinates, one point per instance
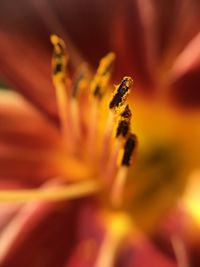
(59, 59)
(94, 132)
(121, 92)
(128, 149)
(124, 120)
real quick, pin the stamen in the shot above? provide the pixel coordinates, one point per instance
(102, 76)
(126, 156)
(59, 62)
(53, 194)
(98, 86)
(124, 119)
(123, 115)
(121, 132)
(128, 150)
(80, 82)
(122, 128)
(121, 92)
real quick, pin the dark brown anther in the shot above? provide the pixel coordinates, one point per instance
(129, 148)
(122, 129)
(121, 93)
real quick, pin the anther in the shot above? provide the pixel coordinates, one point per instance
(121, 93)
(60, 81)
(126, 113)
(120, 179)
(81, 80)
(129, 148)
(98, 86)
(122, 129)
(124, 120)
(102, 76)
(59, 59)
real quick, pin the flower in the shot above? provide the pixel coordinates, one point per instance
(82, 169)
(168, 78)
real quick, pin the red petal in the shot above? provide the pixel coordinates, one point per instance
(185, 91)
(27, 141)
(26, 65)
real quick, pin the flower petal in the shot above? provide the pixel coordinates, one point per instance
(116, 26)
(25, 50)
(45, 235)
(25, 63)
(134, 251)
(185, 91)
(27, 142)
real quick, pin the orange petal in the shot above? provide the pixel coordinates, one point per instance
(27, 141)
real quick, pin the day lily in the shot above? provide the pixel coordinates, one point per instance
(36, 152)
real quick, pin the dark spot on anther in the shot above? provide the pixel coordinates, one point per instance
(58, 55)
(76, 83)
(126, 113)
(97, 91)
(118, 97)
(58, 68)
(128, 149)
(60, 46)
(122, 129)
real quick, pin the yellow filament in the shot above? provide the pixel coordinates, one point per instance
(52, 194)
(107, 136)
(75, 118)
(111, 163)
(109, 125)
(92, 129)
(102, 75)
(118, 187)
(99, 81)
(80, 83)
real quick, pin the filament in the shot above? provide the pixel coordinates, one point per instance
(52, 194)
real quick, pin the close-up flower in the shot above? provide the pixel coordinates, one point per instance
(99, 133)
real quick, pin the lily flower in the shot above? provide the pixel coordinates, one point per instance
(83, 155)
(82, 151)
